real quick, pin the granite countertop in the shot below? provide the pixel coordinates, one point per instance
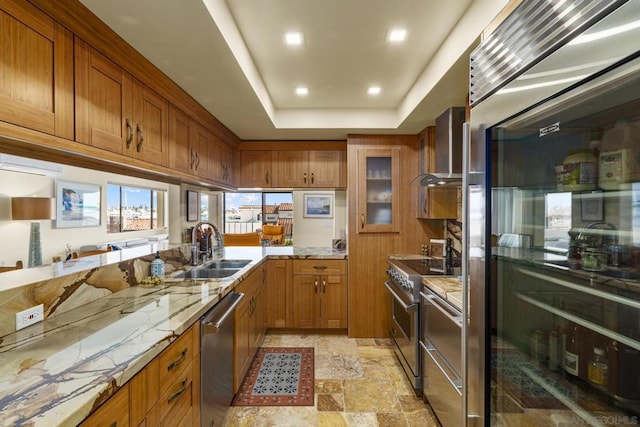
(448, 288)
(53, 372)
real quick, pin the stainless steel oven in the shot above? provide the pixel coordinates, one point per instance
(404, 330)
(441, 344)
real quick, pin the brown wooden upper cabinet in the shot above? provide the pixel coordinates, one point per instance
(116, 112)
(308, 169)
(433, 202)
(378, 173)
(255, 169)
(36, 70)
(222, 162)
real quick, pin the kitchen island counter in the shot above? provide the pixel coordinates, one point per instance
(55, 372)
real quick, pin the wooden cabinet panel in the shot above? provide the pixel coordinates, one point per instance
(104, 103)
(114, 412)
(319, 291)
(177, 399)
(434, 203)
(255, 169)
(36, 69)
(291, 169)
(201, 145)
(333, 305)
(308, 169)
(378, 173)
(328, 169)
(181, 155)
(222, 158)
(306, 302)
(175, 358)
(144, 391)
(116, 112)
(278, 286)
(249, 324)
(319, 266)
(151, 114)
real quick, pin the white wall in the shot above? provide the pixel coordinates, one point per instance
(15, 234)
(318, 232)
(178, 210)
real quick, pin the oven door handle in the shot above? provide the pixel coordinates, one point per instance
(408, 308)
(434, 302)
(456, 384)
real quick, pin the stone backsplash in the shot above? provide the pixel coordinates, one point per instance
(64, 293)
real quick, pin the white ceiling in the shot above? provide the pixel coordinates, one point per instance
(229, 56)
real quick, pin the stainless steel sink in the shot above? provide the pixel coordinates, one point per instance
(207, 273)
(228, 263)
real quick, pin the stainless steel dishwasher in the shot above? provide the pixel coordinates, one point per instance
(216, 360)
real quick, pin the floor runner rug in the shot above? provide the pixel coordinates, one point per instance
(279, 376)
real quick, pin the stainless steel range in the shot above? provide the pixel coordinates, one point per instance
(404, 283)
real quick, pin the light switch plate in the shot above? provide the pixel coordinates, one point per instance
(29, 316)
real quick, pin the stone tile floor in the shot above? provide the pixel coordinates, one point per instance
(358, 382)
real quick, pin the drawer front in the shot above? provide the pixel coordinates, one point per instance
(176, 402)
(176, 358)
(319, 266)
(114, 412)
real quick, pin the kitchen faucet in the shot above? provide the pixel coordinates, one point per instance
(195, 244)
(589, 230)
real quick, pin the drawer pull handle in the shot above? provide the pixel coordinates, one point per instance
(177, 394)
(140, 138)
(129, 133)
(177, 363)
(114, 424)
(319, 267)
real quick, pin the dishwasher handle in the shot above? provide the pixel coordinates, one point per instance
(214, 325)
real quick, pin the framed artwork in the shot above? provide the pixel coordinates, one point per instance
(78, 204)
(318, 206)
(193, 208)
(592, 206)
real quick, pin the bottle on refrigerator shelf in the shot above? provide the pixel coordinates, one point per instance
(598, 370)
(572, 351)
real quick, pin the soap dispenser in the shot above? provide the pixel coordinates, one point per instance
(157, 266)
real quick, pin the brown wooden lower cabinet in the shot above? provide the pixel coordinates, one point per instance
(278, 288)
(319, 294)
(165, 393)
(249, 324)
(114, 412)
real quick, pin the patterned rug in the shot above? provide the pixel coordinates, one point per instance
(279, 376)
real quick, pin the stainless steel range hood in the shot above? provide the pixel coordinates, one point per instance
(448, 151)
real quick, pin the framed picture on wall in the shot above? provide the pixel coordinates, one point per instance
(78, 204)
(192, 206)
(318, 206)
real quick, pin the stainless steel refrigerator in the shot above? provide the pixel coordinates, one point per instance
(552, 218)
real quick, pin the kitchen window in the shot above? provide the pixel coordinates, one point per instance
(135, 208)
(248, 212)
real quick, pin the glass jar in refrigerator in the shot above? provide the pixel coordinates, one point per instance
(616, 163)
(580, 171)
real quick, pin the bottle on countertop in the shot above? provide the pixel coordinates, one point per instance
(572, 350)
(157, 266)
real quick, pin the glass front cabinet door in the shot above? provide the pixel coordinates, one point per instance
(377, 191)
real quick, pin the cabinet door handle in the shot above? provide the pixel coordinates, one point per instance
(177, 394)
(177, 363)
(114, 424)
(140, 137)
(324, 286)
(304, 178)
(315, 284)
(192, 158)
(129, 133)
(312, 177)
(197, 160)
(361, 220)
(319, 267)
(266, 177)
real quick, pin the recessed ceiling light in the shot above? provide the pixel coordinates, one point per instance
(293, 38)
(302, 91)
(374, 90)
(397, 35)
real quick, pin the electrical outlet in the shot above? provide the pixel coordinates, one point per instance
(29, 316)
